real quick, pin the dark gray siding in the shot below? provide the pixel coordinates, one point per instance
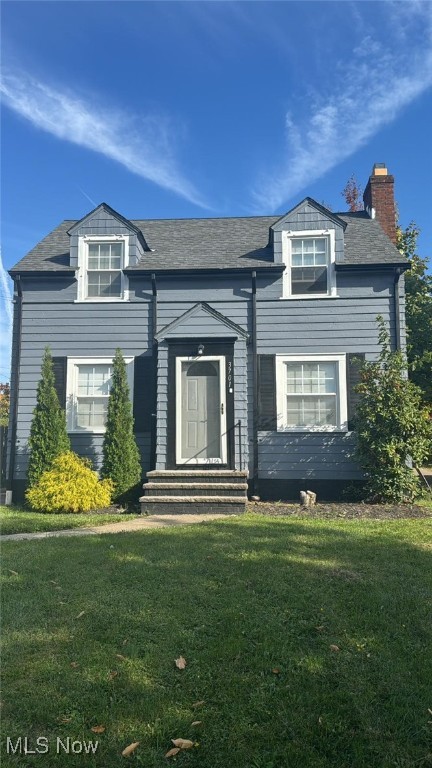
(289, 456)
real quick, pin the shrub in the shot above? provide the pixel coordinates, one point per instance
(69, 486)
(48, 435)
(393, 428)
(121, 458)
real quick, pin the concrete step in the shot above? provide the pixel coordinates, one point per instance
(197, 476)
(196, 489)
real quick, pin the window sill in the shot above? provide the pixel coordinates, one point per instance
(100, 301)
(86, 431)
(313, 430)
(308, 296)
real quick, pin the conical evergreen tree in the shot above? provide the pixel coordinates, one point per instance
(121, 458)
(48, 434)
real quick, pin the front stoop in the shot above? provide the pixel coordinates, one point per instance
(184, 492)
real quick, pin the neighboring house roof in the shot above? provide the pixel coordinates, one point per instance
(225, 243)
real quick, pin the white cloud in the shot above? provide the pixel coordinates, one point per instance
(142, 145)
(368, 94)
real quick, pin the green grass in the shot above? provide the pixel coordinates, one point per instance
(238, 599)
(18, 520)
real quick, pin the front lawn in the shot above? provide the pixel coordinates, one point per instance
(307, 644)
(19, 520)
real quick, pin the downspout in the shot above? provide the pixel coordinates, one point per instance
(255, 385)
(154, 353)
(396, 304)
(14, 413)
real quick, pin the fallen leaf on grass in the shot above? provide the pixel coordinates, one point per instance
(80, 614)
(183, 743)
(124, 642)
(334, 648)
(180, 662)
(74, 664)
(64, 719)
(131, 748)
(98, 728)
(198, 703)
(14, 573)
(197, 722)
(119, 656)
(321, 628)
(53, 582)
(172, 752)
(112, 674)
(276, 671)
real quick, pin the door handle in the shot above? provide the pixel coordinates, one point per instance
(222, 408)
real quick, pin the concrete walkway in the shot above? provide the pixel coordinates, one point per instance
(138, 524)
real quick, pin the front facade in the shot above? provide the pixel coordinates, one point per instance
(241, 336)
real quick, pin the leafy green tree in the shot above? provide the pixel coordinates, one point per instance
(418, 285)
(393, 428)
(4, 404)
(121, 458)
(48, 434)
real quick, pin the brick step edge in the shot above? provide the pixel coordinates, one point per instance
(197, 473)
(196, 486)
(196, 508)
(193, 499)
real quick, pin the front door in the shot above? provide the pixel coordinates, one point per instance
(200, 410)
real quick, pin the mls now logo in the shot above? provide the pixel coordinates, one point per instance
(40, 746)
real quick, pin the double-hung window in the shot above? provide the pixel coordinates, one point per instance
(102, 261)
(310, 264)
(311, 393)
(88, 388)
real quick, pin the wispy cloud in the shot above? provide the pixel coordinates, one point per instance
(369, 93)
(143, 145)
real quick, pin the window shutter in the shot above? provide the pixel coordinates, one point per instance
(267, 392)
(355, 361)
(144, 393)
(59, 369)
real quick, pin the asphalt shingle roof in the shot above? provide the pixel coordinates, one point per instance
(215, 244)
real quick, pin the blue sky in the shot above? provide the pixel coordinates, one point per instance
(179, 109)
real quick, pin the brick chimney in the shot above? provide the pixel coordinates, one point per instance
(378, 199)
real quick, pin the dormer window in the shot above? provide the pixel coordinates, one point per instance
(102, 261)
(309, 257)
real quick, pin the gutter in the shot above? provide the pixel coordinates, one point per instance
(16, 363)
(154, 352)
(255, 385)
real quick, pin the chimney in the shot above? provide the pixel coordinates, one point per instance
(378, 199)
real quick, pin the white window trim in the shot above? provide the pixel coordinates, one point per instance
(223, 423)
(83, 243)
(72, 389)
(287, 238)
(342, 408)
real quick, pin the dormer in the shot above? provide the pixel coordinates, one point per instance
(309, 241)
(102, 245)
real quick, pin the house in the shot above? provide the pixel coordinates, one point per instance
(242, 338)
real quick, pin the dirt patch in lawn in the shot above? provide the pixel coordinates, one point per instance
(338, 511)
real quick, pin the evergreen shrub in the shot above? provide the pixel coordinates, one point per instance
(70, 485)
(48, 434)
(121, 457)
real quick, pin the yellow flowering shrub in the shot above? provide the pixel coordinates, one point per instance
(70, 486)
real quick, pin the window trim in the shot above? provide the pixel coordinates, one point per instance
(342, 402)
(83, 254)
(72, 390)
(288, 237)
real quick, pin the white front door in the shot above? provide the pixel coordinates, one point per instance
(200, 410)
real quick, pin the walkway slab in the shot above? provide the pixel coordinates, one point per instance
(138, 524)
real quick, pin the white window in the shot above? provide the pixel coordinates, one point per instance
(309, 257)
(88, 388)
(102, 261)
(311, 393)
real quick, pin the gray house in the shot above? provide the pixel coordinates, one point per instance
(241, 335)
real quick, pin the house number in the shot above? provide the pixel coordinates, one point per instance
(229, 375)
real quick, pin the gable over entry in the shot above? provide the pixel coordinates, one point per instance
(201, 391)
